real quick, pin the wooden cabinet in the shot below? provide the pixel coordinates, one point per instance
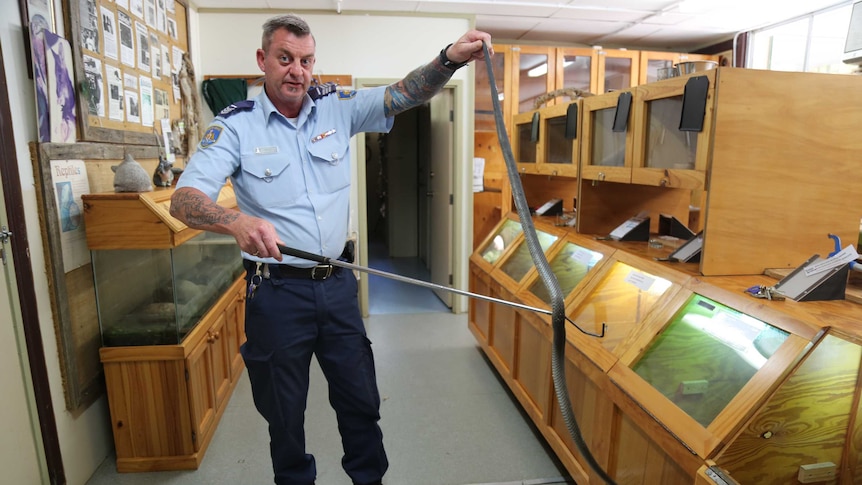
(606, 141)
(172, 334)
(689, 372)
(165, 400)
(618, 69)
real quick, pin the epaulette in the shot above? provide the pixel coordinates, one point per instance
(236, 107)
(320, 90)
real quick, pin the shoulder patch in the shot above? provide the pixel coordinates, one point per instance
(320, 90)
(236, 107)
(211, 136)
(346, 94)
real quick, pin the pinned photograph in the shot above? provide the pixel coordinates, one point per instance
(94, 86)
(89, 25)
(109, 32)
(143, 46)
(127, 39)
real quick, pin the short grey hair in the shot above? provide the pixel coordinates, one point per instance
(293, 23)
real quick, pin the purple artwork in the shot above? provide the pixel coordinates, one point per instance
(38, 24)
(61, 89)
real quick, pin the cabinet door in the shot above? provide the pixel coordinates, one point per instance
(559, 154)
(618, 69)
(525, 146)
(221, 362)
(501, 64)
(663, 154)
(235, 323)
(577, 68)
(202, 399)
(534, 75)
(605, 154)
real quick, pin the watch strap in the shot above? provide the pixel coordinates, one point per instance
(449, 64)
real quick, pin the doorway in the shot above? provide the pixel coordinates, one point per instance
(409, 216)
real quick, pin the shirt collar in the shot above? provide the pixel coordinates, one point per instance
(308, 107)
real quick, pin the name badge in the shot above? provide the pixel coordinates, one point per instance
(265, 150)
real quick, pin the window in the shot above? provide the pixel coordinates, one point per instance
(812, 43)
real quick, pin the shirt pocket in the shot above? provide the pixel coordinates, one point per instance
(331, 163)
(272, 180)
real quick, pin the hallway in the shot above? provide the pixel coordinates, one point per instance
(447, 418)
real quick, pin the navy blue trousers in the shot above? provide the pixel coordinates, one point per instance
(286, 322)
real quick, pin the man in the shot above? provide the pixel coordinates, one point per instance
(286, 153)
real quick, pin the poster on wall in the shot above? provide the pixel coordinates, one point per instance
(89, 25)
(61, 90)
(109, 31)
(143, 46)
(115, 92)
(147, 116)
(127, 39)
(69, 179)
(40, 19)
(94, 86)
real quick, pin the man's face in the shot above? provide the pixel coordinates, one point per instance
(287, 65)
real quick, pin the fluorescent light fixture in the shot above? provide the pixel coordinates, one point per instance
(542, 69)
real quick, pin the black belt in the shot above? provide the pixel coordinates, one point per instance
(319, 272)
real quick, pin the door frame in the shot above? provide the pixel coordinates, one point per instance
(461, 188)
(21, 264)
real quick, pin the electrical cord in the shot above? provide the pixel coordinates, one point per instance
(558, 307)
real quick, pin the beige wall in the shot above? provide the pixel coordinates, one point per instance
(85, 440)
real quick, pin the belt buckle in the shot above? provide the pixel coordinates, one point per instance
(315, 275)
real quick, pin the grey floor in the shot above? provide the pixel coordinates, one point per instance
(447, 418)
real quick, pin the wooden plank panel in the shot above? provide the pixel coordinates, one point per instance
(763, 188)
(534, 362)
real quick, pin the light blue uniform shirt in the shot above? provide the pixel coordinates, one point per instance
(296, 175)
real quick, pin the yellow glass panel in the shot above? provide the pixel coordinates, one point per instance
(570, 266)
(621, 300)
(517, 266)
(501, 241)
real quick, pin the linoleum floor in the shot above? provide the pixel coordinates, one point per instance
(447, 417)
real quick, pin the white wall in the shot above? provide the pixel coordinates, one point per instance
(85, 440)
(366, 47)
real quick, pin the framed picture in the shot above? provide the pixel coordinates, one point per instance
(36, 16)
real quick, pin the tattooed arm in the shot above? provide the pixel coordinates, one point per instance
(253, 235)
(424, 82)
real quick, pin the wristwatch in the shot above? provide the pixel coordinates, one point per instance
(449, 63)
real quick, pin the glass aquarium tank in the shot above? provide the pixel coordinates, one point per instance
(501, 241)
(157, 296)
(705, 355)
(570, 266)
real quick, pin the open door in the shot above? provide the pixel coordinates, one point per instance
(440, 193)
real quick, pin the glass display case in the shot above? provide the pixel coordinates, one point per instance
(705, 356)
(501, 240)
(618, 303)
(520, 262)
(156, 296)
(606, 138)
(559, 154)
(668, 150)
(570, 265)
(525, 142)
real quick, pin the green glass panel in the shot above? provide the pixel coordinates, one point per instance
(521, 262)
(705, 356)
(570, 266)
(501, 241)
